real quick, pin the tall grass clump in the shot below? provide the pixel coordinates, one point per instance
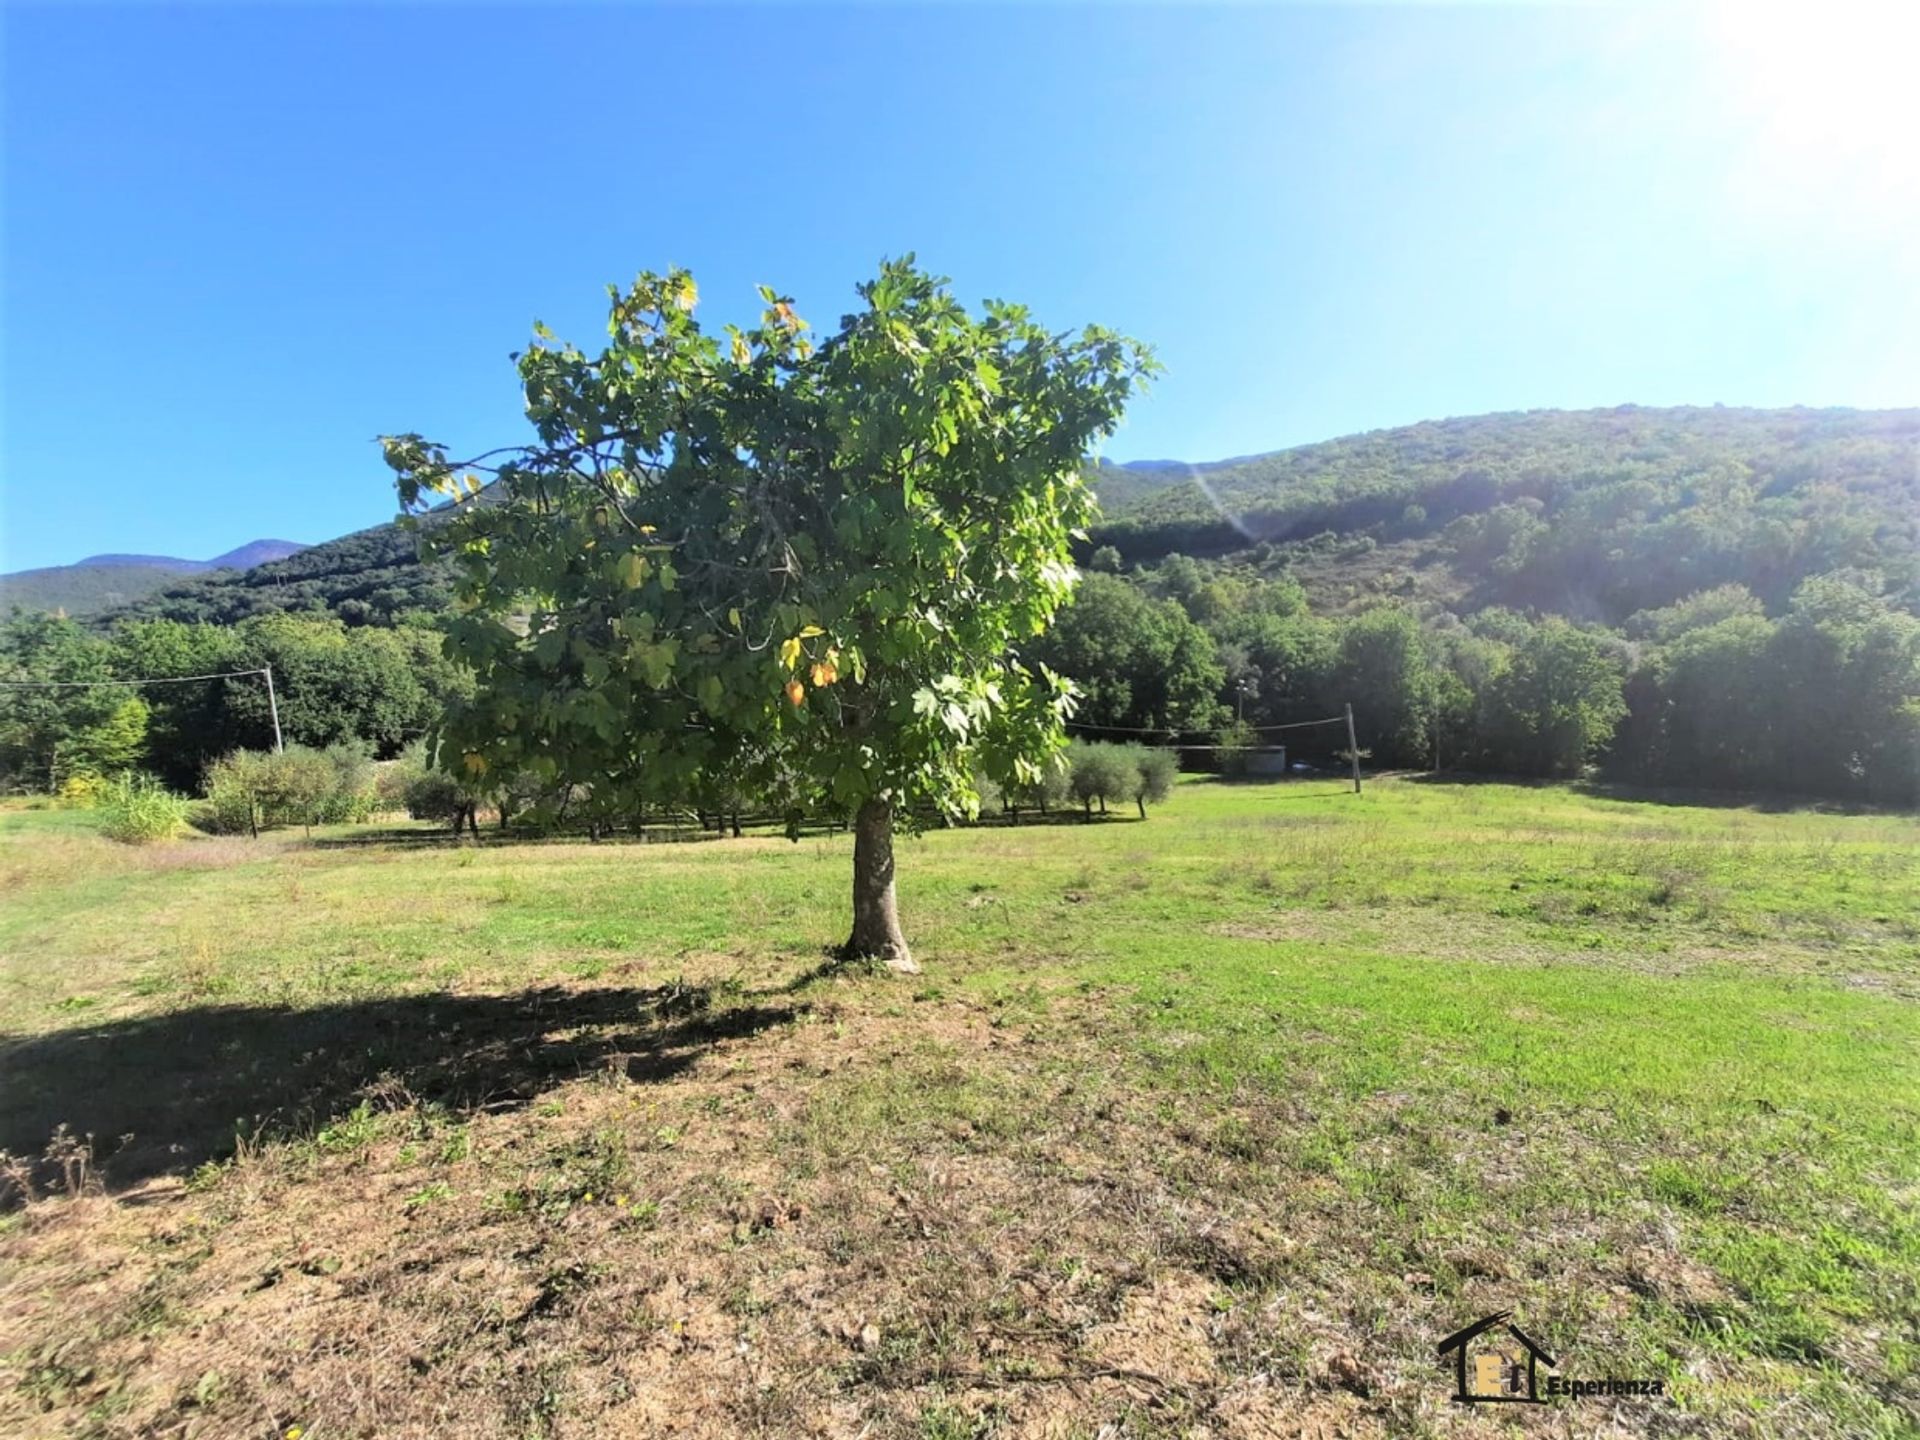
(139, 810)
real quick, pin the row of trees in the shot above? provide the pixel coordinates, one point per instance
(1822, 698)
(374, 689)
(1090, 775)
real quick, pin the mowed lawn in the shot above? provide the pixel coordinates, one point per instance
(1212, 1124)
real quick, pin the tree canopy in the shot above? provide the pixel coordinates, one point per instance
(753, 559)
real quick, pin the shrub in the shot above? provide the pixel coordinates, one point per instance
(1099, 771)
(251, 788)
(354, 794)
(84, 790)
(139, 810)
(435, 795)
(303, 785)
(392, 777)
(1153, 772)
(1054, 787)
(237, 787)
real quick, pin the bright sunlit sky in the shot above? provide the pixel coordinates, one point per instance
(241, 243)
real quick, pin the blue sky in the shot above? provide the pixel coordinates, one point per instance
(241, 243)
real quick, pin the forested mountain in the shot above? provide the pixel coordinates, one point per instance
(371, 577)
(1589, 514)
(106, 582)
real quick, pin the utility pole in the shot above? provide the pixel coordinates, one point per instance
(1353, 748)
(273, 705)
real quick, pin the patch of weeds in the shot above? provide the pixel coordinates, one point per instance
(151, 1309)
(427, 1195)
(941, 1421)
(644, 1322)
(664, 1138)
(637, 1214)
(588, 1170)
(208, 1391)
(53, 1376)
(1676, 1185)
(1235, 1139)
(559, 1286)
(739, 1299)
(359, 1128)
(891, 1363)
(537, 1401)
(206, 1175)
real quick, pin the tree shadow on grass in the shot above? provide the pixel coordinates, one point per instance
(163, 1094)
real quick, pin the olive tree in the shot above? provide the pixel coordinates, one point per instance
(753, 562)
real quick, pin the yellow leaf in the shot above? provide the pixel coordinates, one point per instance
(810, 631)
(733, 617)
(796, 692)
(476, 763)
(824, 674)
(790, 653)
(742, 353)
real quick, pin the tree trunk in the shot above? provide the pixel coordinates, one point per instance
(876, 915)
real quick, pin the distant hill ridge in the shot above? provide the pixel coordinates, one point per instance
(254, 552)
(1592, 514)
(106, 582)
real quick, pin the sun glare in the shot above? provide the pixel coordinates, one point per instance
(1827, 95)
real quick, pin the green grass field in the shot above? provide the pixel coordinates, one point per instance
(1212, 1124)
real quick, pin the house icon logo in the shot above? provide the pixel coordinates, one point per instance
(1494, 1361)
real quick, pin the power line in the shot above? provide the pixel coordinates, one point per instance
(273, 703)
(1196, 730)
(157, 680)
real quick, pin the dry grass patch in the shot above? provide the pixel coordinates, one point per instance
(871, 1216)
